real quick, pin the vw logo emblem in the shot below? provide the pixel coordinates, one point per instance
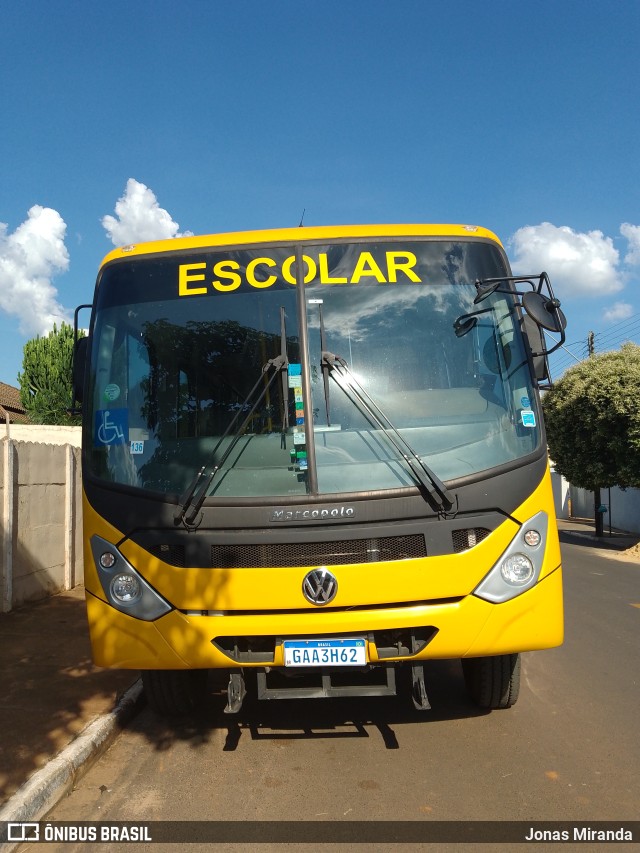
(319, 587)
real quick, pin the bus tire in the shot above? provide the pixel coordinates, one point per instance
(493, 682)
(174, 692)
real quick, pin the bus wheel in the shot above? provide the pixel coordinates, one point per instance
(493, 682)
(174, 692)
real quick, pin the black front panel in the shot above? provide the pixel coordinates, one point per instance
(383, 528)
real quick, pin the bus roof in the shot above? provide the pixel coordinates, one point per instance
(298, 235)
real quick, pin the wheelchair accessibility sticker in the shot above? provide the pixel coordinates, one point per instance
(111, 427)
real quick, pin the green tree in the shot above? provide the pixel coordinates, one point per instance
(46, 378)
(592, 416)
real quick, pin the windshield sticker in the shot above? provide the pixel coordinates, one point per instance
(136, 447)
(295, 381)
(525, 402)
(298, 435)
(528, 418)
(111, 393)
(295, 370)
(111, 427)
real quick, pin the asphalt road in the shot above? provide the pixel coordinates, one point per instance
(569, 749)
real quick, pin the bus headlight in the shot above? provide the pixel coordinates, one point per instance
(518, 569)
(124, 587)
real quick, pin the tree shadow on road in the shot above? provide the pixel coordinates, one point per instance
(51, 688)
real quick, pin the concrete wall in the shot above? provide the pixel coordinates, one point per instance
(623, 507)
(41, 498)
(44, 433)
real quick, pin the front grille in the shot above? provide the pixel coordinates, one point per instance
(346, 551)
(468, 537)
(292, 554)
(390, 644)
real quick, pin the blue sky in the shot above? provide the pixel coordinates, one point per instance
(522, 117)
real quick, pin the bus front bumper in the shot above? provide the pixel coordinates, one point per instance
(469, 627)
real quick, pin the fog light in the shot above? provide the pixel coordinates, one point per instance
(107, 560)
(532, 538)
(126, 589)
(517, 569)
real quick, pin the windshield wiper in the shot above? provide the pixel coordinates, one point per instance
(195, 495)
(436, 492)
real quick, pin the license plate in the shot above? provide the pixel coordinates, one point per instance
(347, 652)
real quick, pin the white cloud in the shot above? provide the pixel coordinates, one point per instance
(632, 233)
(618, 311)
(139, 218)
(578, 263)
(29, 259)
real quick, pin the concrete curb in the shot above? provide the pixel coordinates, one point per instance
(47, 787)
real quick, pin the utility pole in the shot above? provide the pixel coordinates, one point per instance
(591, 343)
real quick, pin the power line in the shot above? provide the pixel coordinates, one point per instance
(624, 330)
(615, 327)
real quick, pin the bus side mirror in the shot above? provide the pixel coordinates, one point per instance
(533, 336)
(540, 307)
(79, 365)
(545, 311)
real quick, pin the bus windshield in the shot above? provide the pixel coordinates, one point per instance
(180, 339)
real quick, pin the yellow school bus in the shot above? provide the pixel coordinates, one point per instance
(314, 458)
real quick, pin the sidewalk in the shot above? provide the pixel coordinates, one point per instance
(51, 689)
(55, 702)
(581, 531)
